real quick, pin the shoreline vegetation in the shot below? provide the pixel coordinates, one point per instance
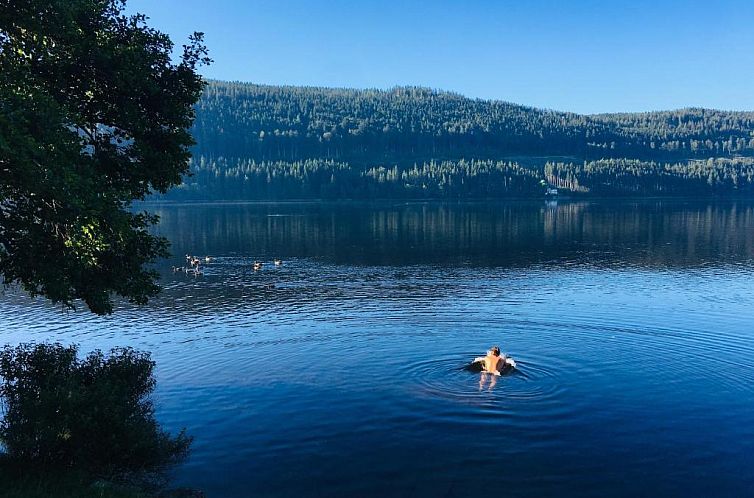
(260, 142)
(83, 426)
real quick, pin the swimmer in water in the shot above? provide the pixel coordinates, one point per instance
(493, 363)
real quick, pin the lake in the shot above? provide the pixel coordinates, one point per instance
(341, 372)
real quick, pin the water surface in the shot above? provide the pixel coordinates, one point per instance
(340, 373)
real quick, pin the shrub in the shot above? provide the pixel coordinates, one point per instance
(94, 415)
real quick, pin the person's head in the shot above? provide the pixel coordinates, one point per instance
(494, 350)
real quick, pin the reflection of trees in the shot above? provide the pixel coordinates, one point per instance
(654, 233)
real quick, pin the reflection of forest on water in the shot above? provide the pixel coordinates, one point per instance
(644, 234)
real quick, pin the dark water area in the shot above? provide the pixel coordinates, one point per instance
(341, 372)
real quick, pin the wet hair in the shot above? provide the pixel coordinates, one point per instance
(495, 350)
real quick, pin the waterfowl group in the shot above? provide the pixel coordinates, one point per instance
(194, 264)
(258, 265)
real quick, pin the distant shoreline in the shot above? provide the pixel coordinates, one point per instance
(568, 199)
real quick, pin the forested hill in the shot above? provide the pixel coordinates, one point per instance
(271, 142)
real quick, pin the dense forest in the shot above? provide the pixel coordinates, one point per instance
(271, 142)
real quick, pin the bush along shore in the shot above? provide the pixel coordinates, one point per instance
(83, 426)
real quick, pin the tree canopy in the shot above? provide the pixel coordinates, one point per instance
(406, 124)
(94, 114)
(285, 142)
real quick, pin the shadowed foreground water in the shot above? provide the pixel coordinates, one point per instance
(340, 373)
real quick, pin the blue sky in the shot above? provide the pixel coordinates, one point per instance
(574, 55)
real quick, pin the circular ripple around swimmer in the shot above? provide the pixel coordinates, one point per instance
(449, 378)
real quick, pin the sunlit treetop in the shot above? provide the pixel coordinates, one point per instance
(94, 115)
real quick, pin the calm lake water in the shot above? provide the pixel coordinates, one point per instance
(340, 373)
